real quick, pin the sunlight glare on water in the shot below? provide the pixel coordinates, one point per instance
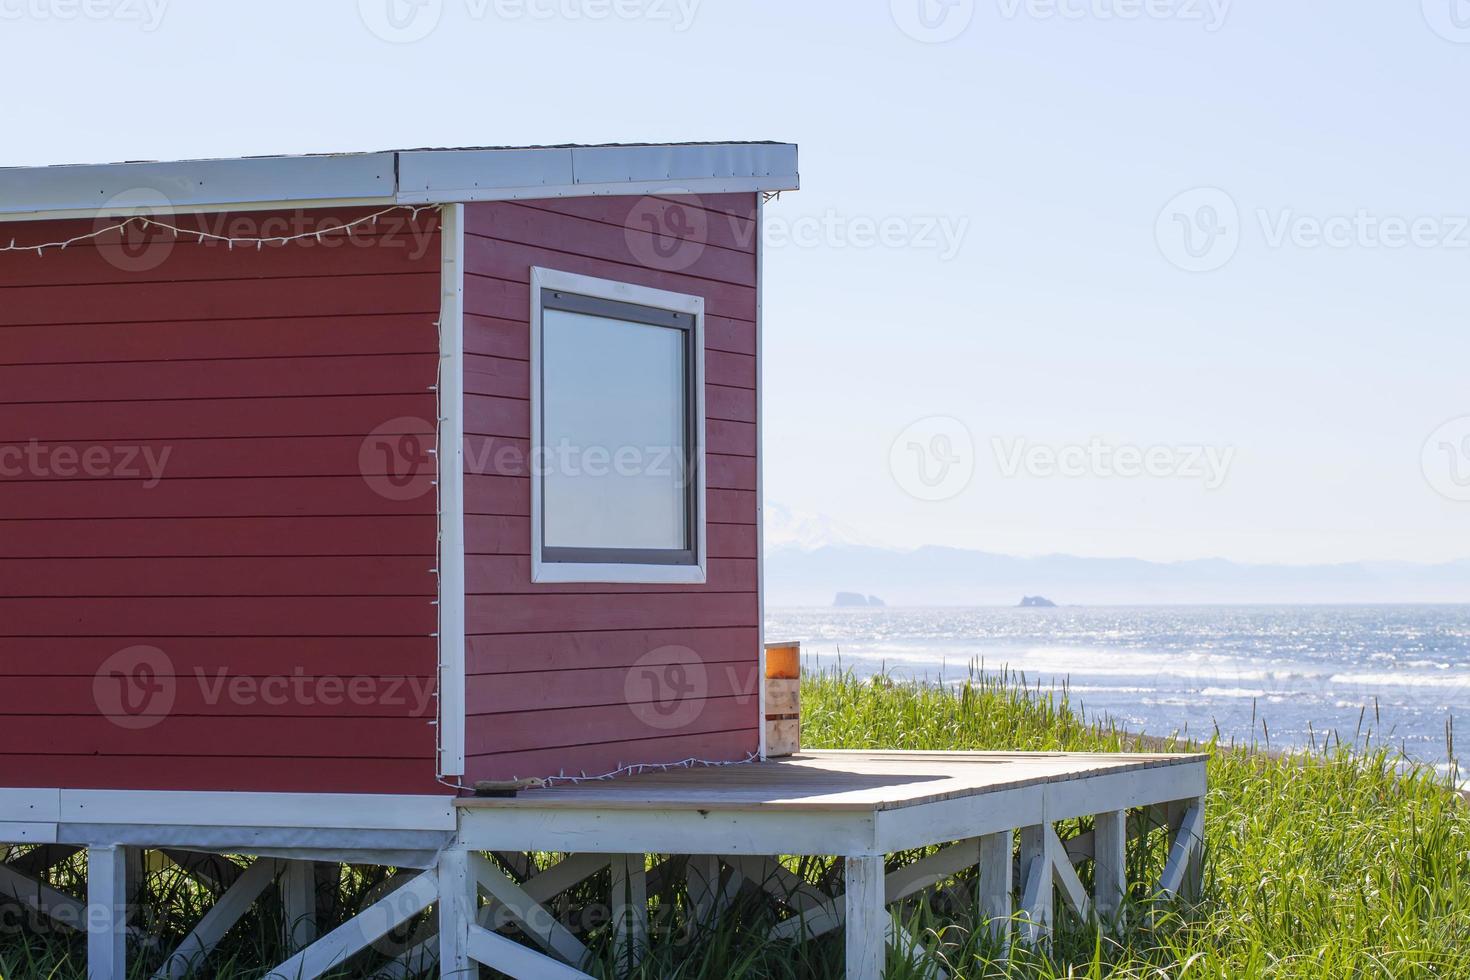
(1400, 671)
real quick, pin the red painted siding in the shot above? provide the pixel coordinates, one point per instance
(289, 599)
(590, 678)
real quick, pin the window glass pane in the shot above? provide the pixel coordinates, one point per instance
(613, 426)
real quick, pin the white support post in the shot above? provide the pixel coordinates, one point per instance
(1036, 878)
(459, 901)
(866, 917)
(107, 934)
(298, 904)
(1109, 867)
(996, 882)
(629, 910)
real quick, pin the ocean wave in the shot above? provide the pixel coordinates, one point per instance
(1450, 682)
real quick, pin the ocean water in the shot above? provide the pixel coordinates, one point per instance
(1278, 674)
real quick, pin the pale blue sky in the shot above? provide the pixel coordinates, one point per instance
(1052, 141)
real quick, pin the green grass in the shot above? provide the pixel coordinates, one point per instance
(1339, 863)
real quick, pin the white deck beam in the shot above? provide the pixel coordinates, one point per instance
(667, 830)
(905, 828)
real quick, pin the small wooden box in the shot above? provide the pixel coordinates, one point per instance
(783, 699)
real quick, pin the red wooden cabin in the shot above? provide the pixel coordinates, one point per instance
(379, 474)
(333, 486)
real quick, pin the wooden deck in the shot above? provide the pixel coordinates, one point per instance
(826, 802)
(833, 781)
(992, 811)
(986, 823)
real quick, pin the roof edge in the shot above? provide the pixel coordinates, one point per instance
(407, 177)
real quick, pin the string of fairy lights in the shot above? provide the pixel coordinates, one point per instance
(201, 236)
(648, 767)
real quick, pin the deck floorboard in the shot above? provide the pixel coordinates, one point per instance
(831, 781)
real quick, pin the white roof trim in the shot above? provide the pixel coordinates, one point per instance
(396, 177)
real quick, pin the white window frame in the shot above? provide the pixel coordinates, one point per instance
(618, 572)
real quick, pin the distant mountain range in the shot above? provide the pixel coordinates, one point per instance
(805, 573)
(787, 528)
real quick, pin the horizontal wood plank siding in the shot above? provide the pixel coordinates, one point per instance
(593, 677)
(410, 534)
(516, 653)
(604, 757)
(217, 418)
(217, 517)
(193, 340)
(376, 575)
(191, 656)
